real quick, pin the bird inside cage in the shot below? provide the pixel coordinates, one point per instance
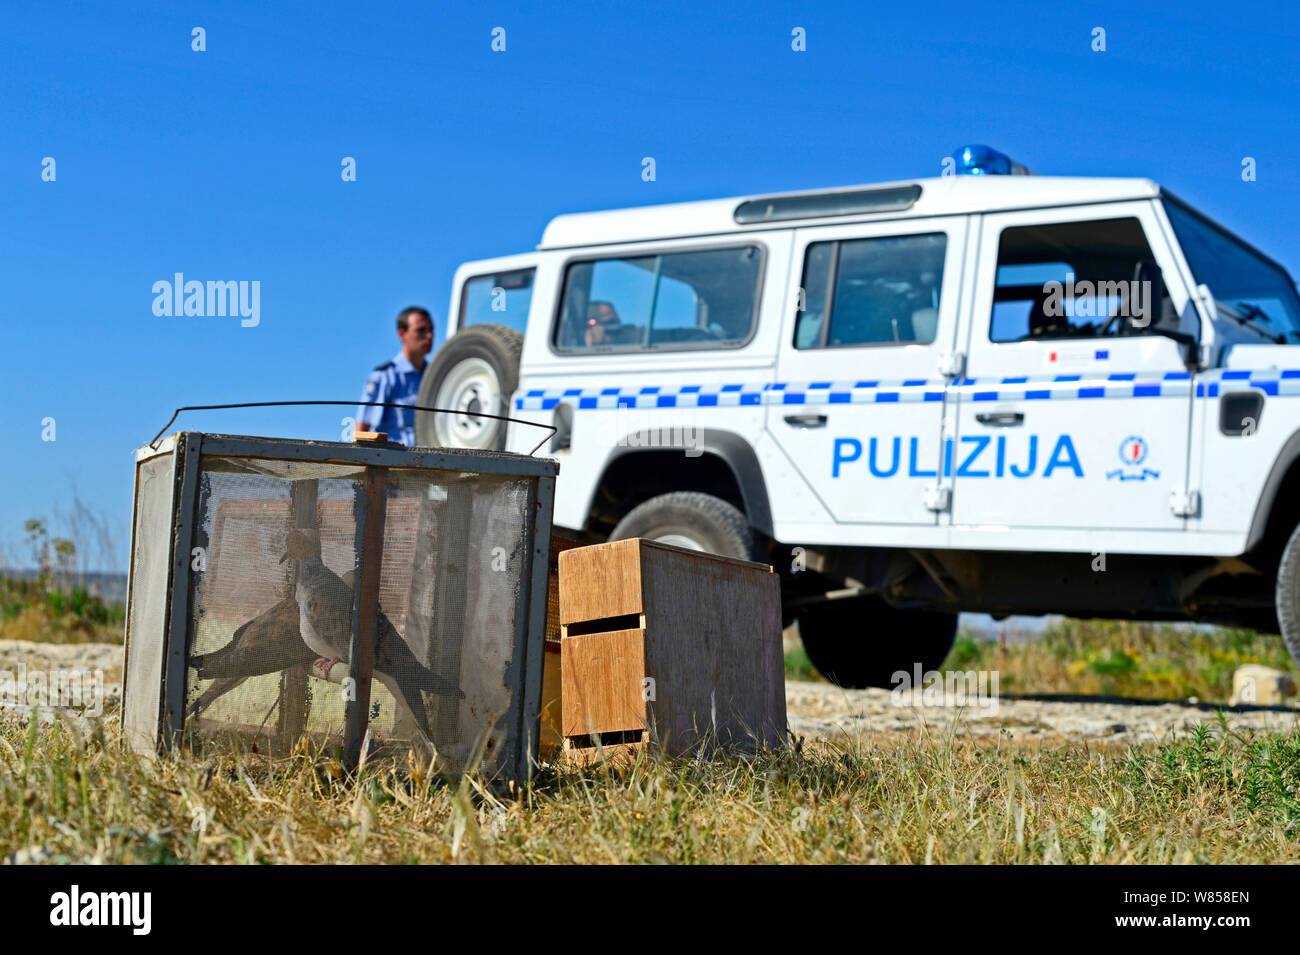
(313, 625)
(325, 624)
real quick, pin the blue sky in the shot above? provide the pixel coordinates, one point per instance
(225, 165)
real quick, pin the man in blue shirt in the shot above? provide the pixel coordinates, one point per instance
(398, 379)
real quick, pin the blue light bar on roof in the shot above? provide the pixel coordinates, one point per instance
(977, 160)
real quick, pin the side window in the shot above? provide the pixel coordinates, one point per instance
(705, 299)
(1071, 280)
(878, 291)
(503, 298)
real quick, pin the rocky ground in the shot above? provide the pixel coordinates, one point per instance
(49, 656)
(820, 709)
(100, 666)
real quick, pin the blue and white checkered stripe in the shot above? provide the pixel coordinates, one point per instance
(1017, 388)
(1271, 382)
(1071, 387)
(652, 396)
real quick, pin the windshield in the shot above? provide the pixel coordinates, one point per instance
(1261, 294)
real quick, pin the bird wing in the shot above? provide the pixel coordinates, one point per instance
(270, 641)
(328, 605)
(394, 656)
(329, 608)
(209, 696)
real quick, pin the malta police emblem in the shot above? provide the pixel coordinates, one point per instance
(1133, 452)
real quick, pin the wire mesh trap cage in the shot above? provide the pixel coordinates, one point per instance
(378, 597)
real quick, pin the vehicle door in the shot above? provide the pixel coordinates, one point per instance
(858, 402)
(1074, 412)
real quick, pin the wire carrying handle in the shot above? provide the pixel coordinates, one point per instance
(357, 404)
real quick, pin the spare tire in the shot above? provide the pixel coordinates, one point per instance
(477, 369)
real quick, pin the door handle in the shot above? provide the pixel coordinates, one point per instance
(806, 420)
(1001, 419)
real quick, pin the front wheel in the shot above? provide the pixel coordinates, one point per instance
(1287, 595)
(692, 520)
(857, 642)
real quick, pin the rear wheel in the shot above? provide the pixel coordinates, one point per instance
(862, 641)
(476, 370)
(693, 520)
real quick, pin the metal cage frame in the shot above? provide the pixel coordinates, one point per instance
(188, 448)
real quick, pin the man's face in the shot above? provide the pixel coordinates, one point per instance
(599, 319)
(417, 340)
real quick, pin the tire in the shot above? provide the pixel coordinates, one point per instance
(858, 642)
(477, 369)
(693, 520)
(1287, 595)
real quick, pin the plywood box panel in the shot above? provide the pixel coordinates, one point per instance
(600, 582)
(602, 679)
(551, 739)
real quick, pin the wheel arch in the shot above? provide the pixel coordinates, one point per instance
(1274, 507)
(731, 450)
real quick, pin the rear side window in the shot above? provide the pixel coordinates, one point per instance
(877, 291)
(1070, 280)
(503, 298)
(674, 300)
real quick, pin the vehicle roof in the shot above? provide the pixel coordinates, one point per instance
(948, 195)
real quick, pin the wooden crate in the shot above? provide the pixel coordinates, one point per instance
(668, 645)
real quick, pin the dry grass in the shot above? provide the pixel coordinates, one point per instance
(41, 624)
(1211, 798)
(33, 610)
(1215, 797)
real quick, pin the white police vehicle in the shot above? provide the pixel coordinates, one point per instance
(998, 393)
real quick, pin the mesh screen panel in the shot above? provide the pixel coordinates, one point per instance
(279, 547)
(146, 620)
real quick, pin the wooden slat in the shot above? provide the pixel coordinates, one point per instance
(600, 581)
(366, 616)
(601, 676)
